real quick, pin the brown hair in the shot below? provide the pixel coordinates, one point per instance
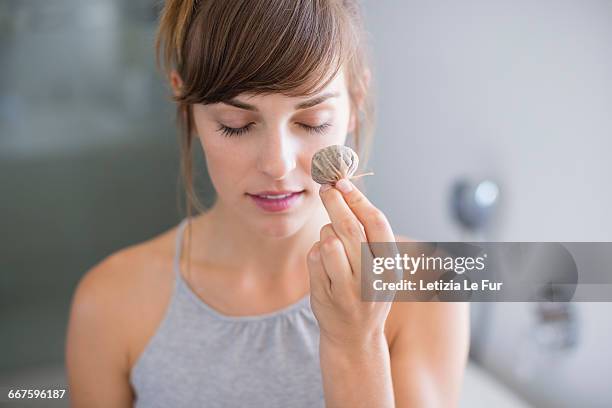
(221, 48)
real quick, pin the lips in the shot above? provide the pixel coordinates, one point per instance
(276, 201)
(270, 194)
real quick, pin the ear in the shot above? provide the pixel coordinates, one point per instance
(360, 94)
(176, 82)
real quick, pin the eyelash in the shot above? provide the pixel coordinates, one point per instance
(231, 132)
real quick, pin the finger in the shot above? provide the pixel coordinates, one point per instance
(345, 224)
(336, 206)
(320, 285)
(327, 231)
(336, 264)
(374, 221)
(380, 237)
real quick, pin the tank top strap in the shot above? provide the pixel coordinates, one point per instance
(179, 248)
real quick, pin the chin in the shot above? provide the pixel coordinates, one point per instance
(280, 227)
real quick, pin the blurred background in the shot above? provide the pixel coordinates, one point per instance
(495, 115)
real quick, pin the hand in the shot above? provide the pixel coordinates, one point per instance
(335, 262)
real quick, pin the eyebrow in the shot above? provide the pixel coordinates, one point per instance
(302, 105)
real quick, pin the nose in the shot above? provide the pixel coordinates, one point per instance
(277, 156)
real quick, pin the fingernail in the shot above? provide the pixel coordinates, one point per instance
(324, 187)
(344, 185)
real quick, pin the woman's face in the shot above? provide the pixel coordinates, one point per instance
(259, 147)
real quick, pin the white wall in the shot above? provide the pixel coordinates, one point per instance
(519, 91)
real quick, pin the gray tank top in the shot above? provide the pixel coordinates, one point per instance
(199, 357)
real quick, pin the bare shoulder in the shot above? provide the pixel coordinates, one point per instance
(428, 345)
(121, 279)
(429, 352)
(416, 322)
(115, 307)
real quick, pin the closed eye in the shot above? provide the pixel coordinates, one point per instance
(316, 129)
(230, 131)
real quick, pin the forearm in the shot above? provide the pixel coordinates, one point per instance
(358, 374)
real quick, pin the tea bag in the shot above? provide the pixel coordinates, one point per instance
(333, 163)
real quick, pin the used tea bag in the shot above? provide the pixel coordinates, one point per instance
(333, 163)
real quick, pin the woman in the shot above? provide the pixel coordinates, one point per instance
(256, 301)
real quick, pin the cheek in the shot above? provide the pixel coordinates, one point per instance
(225, 163)
(223, 158)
